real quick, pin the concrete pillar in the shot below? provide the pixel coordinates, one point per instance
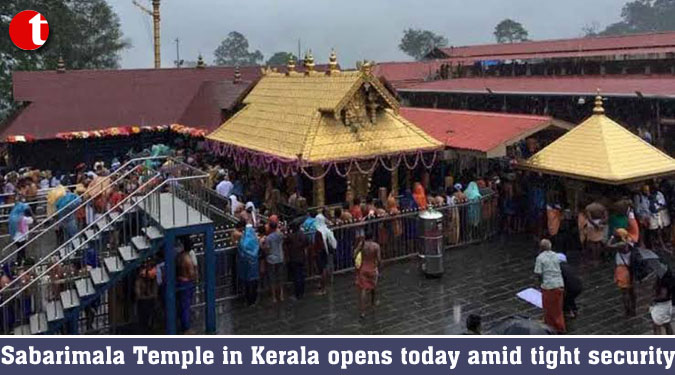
(603, 69)
(319, 187)
(648, 70)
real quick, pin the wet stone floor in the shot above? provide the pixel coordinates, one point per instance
(479, 279)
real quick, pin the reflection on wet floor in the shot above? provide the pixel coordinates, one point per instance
(481, 279)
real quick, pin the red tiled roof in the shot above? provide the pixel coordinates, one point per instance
(598, 46)
(87, 100)
(406, 74)
(476, 131)
(649, 86)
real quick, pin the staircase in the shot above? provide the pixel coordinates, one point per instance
(71, 283)
(48, 226)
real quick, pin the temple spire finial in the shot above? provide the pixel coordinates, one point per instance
(237, 75)
(61, 65)
(309, 62)
(290, 66)
(599, 109)
(332, 62)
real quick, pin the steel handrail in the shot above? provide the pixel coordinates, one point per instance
(74, 250)
(82, 243)
(59, 221)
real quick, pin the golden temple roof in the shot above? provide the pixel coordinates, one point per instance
(603, 151)
(321, 117)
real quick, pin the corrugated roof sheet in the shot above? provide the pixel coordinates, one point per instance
(601, 150)
(288, 116)
(477, 131)
(622, 44)
(648, 85)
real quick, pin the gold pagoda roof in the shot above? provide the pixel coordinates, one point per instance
(603, 151)
(320, 117)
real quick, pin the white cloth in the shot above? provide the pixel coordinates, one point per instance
(326, 233)
(532, 296)
(234, 204)
(661, 312)
(224, 188)
(251, 208)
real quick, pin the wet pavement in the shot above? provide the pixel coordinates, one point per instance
(480, 279)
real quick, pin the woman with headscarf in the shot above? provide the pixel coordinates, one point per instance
(248, 251)
(251, 216)
(420, 196)
(325, 245)
(473, 196)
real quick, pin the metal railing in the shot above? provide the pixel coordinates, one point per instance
(398, 236)
(28, 292)
(70, 210)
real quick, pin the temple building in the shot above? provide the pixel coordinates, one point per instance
(331, 125)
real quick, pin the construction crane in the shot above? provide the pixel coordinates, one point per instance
(154, 13)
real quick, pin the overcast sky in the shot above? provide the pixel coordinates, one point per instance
(357, 29)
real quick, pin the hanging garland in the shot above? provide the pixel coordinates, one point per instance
(286, 167)
(433, 160)
(314, 178)
(349, 169)
(417, 159)
(390, 169)
(371, 170)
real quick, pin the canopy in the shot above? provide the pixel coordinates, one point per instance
(603, 151)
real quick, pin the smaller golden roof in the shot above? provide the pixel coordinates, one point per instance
(321, 117)
(603, 151)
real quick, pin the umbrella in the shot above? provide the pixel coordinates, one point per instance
(521, 325)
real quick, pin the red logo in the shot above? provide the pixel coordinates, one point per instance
(28, 30)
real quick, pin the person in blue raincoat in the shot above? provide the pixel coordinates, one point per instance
(248, 251)
(20, 218)
(473, 196)
(70, 201)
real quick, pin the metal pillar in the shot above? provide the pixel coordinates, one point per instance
(170, 282)
(210, 280)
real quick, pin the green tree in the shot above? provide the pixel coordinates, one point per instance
(280, 58)
(418, 43)
(86, 33)
(233, 51)
(640, 16)
(510, 31)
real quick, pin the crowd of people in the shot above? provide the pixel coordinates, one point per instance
(273, 248)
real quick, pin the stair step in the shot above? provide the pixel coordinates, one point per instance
(54, 311)
(128, 253)
(140, 243)
(98, 276)
(75, 242)
(85, 287)
(38, 323)
(113, 215)
(153, 233)
(101, 224)
(113, 264)
(69, 299)
(90, 234)
(23, 330)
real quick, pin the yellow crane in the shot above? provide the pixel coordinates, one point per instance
(154, 13)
